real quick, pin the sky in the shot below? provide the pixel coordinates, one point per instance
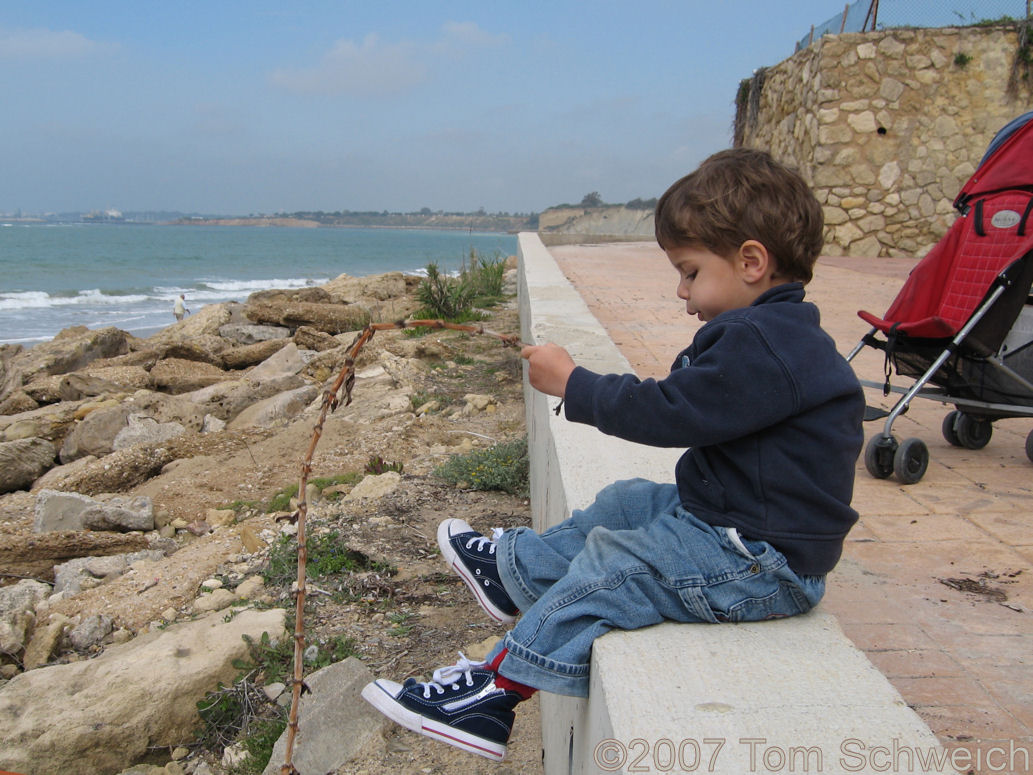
(238, 108)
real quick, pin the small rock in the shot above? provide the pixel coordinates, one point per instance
(91, 632)
(214, 601)
(234, 755)
(220, 517)
(43, 641)
(211, 584)
(375, 486)
(180, 753)
(251, 587)
(250, 540)
(274, 690)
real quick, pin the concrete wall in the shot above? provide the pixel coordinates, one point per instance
(887, 126)
(797, 688)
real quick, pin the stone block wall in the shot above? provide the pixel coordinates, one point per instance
(887, 126)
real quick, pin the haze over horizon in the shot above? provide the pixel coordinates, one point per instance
(237, 108)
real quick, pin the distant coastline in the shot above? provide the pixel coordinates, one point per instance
(481, 222)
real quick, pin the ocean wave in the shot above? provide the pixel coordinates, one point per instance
(43, 300)
(205, 291)
(249, 286)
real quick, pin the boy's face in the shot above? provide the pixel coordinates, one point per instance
(711, 284)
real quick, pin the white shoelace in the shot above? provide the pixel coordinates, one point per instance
(449, 676)
(496, 532)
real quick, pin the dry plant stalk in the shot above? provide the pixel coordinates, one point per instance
(332, 400)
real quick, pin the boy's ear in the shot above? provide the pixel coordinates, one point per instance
(754, 260)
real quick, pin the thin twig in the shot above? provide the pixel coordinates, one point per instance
(331, 400)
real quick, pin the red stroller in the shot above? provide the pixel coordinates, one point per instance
(962, 325)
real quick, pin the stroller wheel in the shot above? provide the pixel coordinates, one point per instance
(973, 432)
(910, 460)
(878, 456)
(1029, 446)
(949, 428)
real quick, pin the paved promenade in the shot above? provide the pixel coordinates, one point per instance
(936, 581)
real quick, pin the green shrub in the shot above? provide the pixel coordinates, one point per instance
(501, 467)
(326, 555)
(443, 296)
(479, 284)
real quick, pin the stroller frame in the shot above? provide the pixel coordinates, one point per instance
(909, 460)
(968, 370)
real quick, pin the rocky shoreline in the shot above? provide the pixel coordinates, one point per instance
(136, 477)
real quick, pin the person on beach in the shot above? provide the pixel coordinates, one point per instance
(179, 308)
(770, 415)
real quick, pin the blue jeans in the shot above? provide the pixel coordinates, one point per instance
(633, 558)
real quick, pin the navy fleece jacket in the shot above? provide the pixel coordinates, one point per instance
(771, 414)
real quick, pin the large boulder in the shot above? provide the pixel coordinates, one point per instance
(78, 385)
(95, 434)
(169, 409)
(58, 511)
(251, 354)
(334, 722)
(331, 318)
(277, 410)
(23, 461)
(51, 422)
(71, 350)
(245, 334)
(226, 400)
(204, 322)
(99, 716)
(177, 375)
(117, 472)
(205, 349)
(18, 613)
(141, 429)
(18, 401)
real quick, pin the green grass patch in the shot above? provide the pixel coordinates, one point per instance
(502, 467)
(326, 555)
(281, 501)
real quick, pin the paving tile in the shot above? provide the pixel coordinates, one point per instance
(1014, 529)
(916, 663)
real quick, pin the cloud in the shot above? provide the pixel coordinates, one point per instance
(378, 67)
(45, 44)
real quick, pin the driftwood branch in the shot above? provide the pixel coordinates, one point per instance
(332, 399)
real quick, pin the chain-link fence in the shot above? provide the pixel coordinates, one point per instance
(865, 15)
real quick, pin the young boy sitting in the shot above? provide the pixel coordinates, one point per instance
(771, 416)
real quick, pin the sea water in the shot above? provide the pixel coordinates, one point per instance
(53, 276)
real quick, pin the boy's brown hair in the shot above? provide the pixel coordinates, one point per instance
(742, 194)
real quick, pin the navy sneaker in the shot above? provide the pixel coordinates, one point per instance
(460, 706)
(472, 556)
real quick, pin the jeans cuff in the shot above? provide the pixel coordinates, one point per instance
(524, 666)
(505, 556)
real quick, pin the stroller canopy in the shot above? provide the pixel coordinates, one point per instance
(1007, 163)
(994, 232)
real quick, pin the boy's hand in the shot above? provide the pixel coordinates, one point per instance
(549, 367)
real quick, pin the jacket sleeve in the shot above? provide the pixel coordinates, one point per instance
(735, 385)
